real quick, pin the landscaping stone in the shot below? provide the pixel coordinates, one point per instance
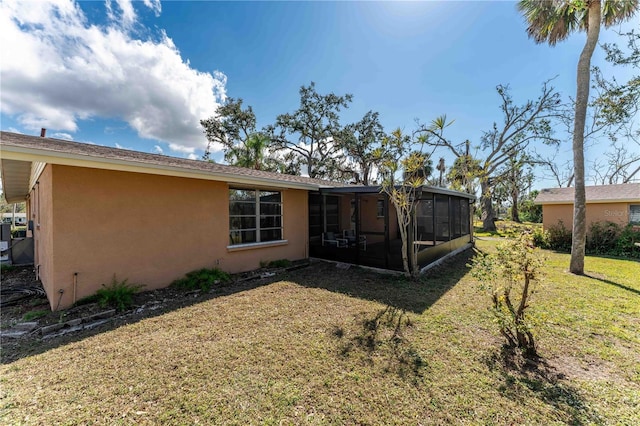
(100, 315)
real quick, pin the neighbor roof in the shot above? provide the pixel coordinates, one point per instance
(21, 154)
(626, 192)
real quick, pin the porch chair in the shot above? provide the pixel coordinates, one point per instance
(330, 239)
(350, 236)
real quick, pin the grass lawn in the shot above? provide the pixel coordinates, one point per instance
(504, 228)
(329, 346)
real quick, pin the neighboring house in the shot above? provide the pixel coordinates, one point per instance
(605, 203)
(17, 219)
(96, 212)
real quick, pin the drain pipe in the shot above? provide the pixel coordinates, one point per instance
(75, 286)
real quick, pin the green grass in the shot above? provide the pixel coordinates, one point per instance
(329, 346)
(32, 315)
(504, 229)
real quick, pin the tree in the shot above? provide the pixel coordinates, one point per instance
(230, 127)
(552, 21)
(441, 167)
(464, 172)
(253, 154)
(359, 142)
(522, 124)
(516, 178)
(529, 210)
(314, 126)
(415, 167)
(620, 105)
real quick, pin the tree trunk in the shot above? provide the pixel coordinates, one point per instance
(488, 216)
(515, 214)
(576, 266)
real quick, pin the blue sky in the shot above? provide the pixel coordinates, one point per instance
(140, 75)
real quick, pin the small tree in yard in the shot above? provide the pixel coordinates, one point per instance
(404, 194)
(509, 275)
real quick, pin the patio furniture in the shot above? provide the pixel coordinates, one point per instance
(330, 239)
(350, 236)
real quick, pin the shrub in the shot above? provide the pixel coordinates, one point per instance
(540, 238)
(19, 232)
(509, 275)
(625, 245)
(118, 294)
(602, 237)
(280, 263)
(202, 279)
(559, 237)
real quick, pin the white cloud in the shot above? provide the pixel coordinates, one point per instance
(181, 148)
(119, 146)
(192, 156)
(65, 69)
(157, 149)
(62, 135)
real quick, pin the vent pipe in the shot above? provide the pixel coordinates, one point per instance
(43, 132)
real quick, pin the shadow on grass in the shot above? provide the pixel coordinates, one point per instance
(15, 349)
(524, 378)
(383, 337)
(613, 283)
(391, 290)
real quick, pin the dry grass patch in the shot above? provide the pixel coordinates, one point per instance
(348, 347)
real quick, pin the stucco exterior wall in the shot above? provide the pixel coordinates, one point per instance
(596, 212)
(40, 211)
(151, 230)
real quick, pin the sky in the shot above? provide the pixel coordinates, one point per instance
(141, 75)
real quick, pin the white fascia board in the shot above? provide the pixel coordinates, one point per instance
(66, 159)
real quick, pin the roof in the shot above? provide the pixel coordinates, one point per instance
(23, 155)
(626, 192)
(378, 189)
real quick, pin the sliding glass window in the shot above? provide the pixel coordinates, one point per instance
(254, 216)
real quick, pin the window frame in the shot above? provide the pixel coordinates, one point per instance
(380, 208)
(236, 231)
(634, 207)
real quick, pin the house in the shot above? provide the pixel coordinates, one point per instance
(605, 203)
(16, 219)
(95, 212)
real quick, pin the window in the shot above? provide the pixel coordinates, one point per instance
(380, 208)
(255, 216)
(634, 214)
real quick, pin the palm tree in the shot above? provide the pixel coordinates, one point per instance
(552, 21)
(252, 153)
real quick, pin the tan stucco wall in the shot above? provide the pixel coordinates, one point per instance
(40, 208)
(596, 212)
(151, 230)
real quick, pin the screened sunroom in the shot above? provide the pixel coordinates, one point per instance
(359, 225)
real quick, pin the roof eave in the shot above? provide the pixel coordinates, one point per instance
(13, 152)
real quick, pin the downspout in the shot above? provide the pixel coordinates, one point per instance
(75, 286)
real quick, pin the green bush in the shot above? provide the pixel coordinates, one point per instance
(602, 237)
(118, 294)
(509, 276)
(202, 279)
(280, 263)
(540, 238)
(559, 237)
(19, 232)
(625, 245)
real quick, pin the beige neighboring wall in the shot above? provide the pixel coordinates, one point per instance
(596, 212)
(150, 230)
